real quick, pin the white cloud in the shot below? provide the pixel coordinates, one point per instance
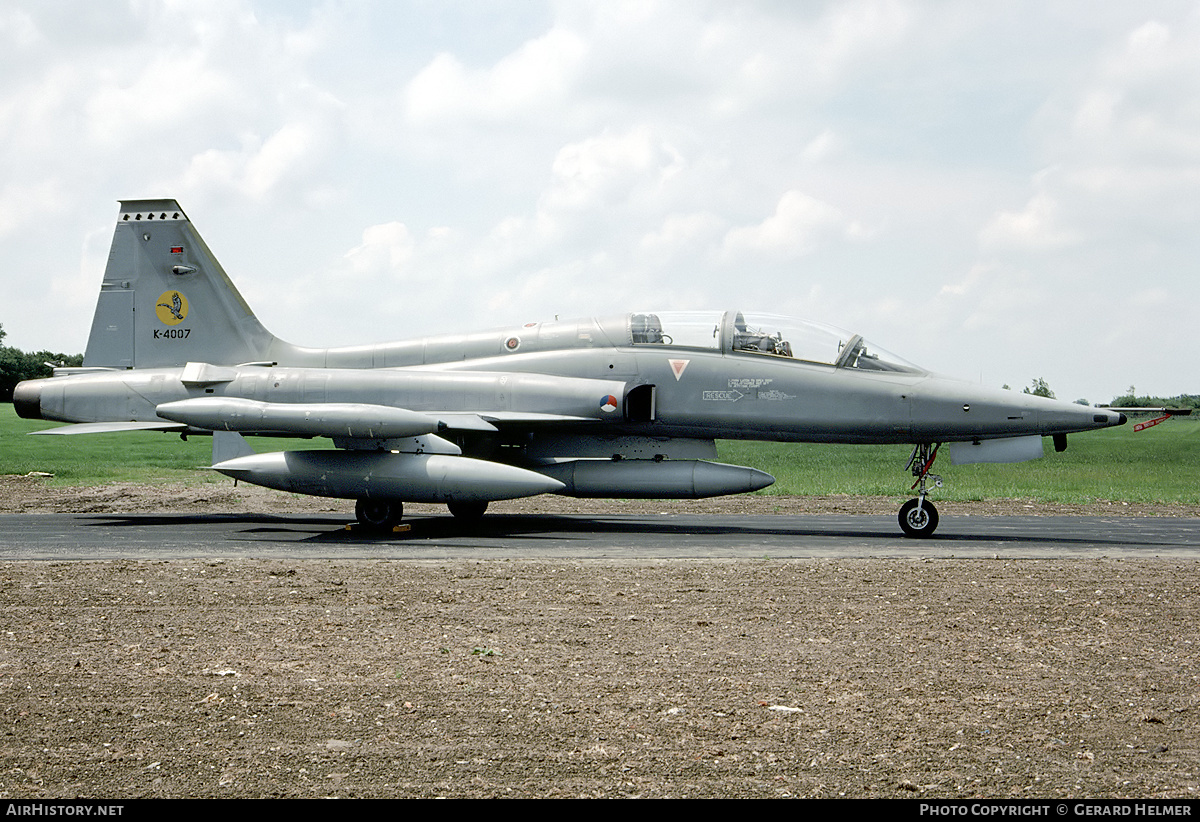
(387, 247)
(1038, 226)
(146, 102)
(821, 147)
(259, 166)
(24, 202)
(534, 78)
(799, 224)
(18, 31)
(1142, 102)
(683, 234)
(609, 168)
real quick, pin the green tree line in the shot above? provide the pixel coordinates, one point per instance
(1131, 398)
(17, 365)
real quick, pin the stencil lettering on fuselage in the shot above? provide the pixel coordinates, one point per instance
(747, 388)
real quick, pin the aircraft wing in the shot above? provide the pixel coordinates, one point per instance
(464, 421)
(457, 420)
(113, 427)
(336, 419)
(526, 416)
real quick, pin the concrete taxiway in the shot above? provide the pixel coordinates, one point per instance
(500, 536)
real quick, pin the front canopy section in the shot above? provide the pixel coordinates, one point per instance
(768, 335)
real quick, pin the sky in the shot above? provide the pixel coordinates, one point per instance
(998, 191)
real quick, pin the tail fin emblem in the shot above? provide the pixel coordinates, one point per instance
(172, 308)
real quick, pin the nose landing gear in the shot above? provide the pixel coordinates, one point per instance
(919, 517)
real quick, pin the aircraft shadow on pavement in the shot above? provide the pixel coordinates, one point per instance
(552, 527)
(443, 527)
(196, 520)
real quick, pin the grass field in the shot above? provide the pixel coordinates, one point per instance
(92, 459)
(1161, 464)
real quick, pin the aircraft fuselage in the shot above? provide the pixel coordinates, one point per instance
(623, 406)
(684, 392)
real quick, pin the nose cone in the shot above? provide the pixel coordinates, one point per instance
(1058, 417)
(948, 410)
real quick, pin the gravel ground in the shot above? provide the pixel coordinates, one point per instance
(821, 678)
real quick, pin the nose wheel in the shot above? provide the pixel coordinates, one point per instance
(919, 517)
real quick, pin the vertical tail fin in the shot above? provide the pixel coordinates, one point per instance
(165, 299)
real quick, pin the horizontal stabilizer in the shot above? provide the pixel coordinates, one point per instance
(75, 370)
(112, 427)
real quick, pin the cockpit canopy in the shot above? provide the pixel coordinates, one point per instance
(765, 335)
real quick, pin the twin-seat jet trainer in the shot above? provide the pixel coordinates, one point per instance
(626, 406)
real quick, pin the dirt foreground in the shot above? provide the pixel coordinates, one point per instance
(823, 678)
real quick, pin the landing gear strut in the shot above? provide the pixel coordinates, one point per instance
(918, 517)
(379, 515)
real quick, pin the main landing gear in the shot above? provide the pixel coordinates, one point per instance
(381, 516)
(467, 511)
(378, 515)
(918, 517)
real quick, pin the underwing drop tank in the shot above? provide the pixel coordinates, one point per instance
(314, 420)
(651, 479)
(388, 476)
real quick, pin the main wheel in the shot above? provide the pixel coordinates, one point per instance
(918, 522)
(467, 511)
(378, 514)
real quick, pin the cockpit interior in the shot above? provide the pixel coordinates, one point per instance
(769, 335)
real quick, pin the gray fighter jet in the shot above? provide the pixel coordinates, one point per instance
(626, 406)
